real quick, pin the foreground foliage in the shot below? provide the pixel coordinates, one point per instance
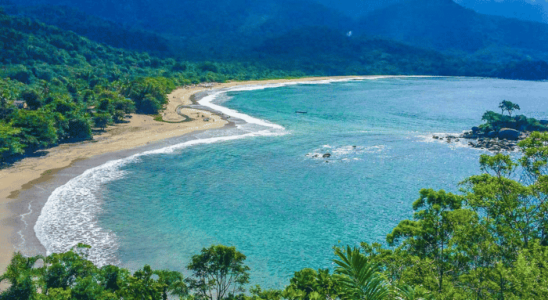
(490, 241)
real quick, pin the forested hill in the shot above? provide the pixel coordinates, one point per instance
(71, 84)
(324, 51)
(445, 26)
(97, 29)
(312, 50)
(207, 29)
(305, 36)
(243, 30)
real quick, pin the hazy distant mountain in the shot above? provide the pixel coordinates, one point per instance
(448, 27)
(528, 10)
(357, 8)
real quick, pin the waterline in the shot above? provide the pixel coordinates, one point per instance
(69, 215)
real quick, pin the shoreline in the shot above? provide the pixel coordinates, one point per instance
(34, 178)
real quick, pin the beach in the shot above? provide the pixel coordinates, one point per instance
(141, 130)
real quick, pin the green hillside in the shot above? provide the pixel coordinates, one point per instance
(97, 29)
(60, 74)
(216, 29)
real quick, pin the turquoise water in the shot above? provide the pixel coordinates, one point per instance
(285, 209)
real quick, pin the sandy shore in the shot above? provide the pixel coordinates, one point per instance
(140, 131)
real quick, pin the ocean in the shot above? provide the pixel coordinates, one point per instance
(264, 185)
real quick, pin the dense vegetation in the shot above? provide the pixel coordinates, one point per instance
(97, 29)
(494, 121)
(490, 241)
(234, 30)
(71, 84)
(216, 29)
(296, 39)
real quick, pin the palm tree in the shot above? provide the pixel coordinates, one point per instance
(408, 293)
(360, 278)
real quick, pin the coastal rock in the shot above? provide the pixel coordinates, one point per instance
(509, 134)
(327, 155)
(470, 136)
(503, 140)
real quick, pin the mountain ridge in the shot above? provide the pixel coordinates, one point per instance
(445, 26)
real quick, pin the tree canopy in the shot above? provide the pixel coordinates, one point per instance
(508, 106)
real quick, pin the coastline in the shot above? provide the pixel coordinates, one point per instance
(21, 183)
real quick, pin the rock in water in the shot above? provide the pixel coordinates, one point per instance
(509, 134)
(327, 155)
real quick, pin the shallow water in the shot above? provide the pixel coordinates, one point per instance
(277, 203)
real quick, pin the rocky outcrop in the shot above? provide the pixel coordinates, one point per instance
(495, 145)
(504, 140)
(509, 134)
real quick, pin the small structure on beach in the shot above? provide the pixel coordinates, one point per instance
(91, 109)
(21, 104)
